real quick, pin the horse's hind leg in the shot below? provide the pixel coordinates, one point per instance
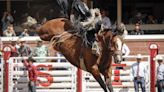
(96, 74)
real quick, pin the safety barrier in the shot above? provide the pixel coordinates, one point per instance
(146, 39)
(54, 77)
(62, 77)
(122, 80)
(1, 75)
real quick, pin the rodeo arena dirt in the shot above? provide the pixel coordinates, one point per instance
(64, 77)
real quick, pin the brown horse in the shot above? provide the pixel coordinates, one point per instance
(61, 34)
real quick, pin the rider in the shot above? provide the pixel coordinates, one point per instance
(76, 5)
(81, 15)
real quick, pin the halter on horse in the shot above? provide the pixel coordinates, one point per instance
(117, 43)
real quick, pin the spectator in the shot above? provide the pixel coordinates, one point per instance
(24, 33)
(151, 20)
(9, 32)
(32, 73)
(137, 30)
(14, 49)
(6, 20)
(40, 51)
(30, 22)
(105, 20)
(138, 18)
(139, 73)
(24, 49)
(160, 74)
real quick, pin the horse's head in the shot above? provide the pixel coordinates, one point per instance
(117, 44)
(53, 28)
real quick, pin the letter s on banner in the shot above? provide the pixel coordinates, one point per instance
(45, 75)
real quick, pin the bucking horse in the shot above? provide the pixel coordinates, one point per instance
(64, 37)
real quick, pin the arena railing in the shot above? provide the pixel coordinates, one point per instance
(62, 76)
(146, 26)
(128, 37)
(123, 78)
(52, 76)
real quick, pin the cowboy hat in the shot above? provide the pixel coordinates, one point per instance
(158, 57)
(139, 56)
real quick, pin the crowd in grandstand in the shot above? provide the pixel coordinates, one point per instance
(143, 19)
(21, 49)
(11, 27)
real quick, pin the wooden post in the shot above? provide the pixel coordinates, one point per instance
(6, 56)
(8, 5)
(153, 52)
(119, 11)
(79, 80)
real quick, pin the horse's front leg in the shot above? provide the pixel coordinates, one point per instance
(96, 74)
(108, 79)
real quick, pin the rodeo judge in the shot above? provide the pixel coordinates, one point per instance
(160, 73)
(139, 74)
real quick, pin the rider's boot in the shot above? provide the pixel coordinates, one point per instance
(96, 48)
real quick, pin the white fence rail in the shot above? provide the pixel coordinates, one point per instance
(90, 85)
(62, 77)
(54, 77)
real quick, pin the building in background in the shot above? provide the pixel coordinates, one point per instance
(120, 10)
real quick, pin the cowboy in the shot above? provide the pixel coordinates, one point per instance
(32, 73)
(78, 13)
(77, 6)
(160, 73)
(83, 19)
(139, 73)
